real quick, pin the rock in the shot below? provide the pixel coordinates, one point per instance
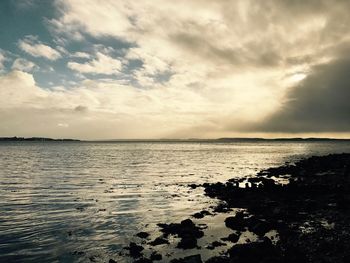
(218, 259)
(185, 228)
(201, 214)
(236, 222)
(112, 261)
(222, 208)
(215, 244)
(189, 259)
(187, 242)
(255, 252)
(135, 250)
(142, 234)
(159, 241)
(259, 227)
(143, 260)
(193, 186)
(156, 256)
(232, 238)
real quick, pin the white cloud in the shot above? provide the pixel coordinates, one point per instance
(32, 46)
(103, 64)
(23, 65)
(18, 89)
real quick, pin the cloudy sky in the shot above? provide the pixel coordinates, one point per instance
(107, 69)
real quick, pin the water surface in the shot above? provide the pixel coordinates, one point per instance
(60, 198)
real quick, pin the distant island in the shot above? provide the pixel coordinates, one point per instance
(34, 139)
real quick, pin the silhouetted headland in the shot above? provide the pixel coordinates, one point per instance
(306, 203)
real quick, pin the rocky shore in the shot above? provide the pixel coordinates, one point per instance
(294, 213)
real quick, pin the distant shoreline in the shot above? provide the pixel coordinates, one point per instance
(35, 139)
(225, 140)
(219, 140)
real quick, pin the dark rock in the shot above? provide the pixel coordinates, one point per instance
(135, 250)
(255, 252)
(259, 227)
(201, 214)
(142, 234)
(215, 244)
(193, 186)
(156, 256)
(222, 208)
(236, 222)
(187, 242)
(143, 260)
(232, 238)
(189, 259)
(184, 229)
(218, 259)
(159, 241)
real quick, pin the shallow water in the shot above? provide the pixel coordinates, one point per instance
(60, 197)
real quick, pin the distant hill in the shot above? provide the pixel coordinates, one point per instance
(34, 139)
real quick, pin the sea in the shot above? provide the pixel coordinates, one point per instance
(85, 201)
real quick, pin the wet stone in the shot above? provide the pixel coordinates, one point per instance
(236, 222)
(159, 241)
(134, 249)
(156, 256)
(201, 214)
(232, 238)
(142, 234)
(187, 242)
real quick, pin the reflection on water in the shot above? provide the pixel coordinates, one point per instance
(60, 198)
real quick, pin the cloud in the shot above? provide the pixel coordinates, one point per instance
(190, 68)
(203, 41)
(103, 64)
(95, 109)
(18, 89)
(32, 46)
(320, 103)
(2, 59)
(23, 65)
(81, 55)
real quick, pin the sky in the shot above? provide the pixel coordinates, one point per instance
(120, 69)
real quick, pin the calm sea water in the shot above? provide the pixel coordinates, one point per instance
(57, 199)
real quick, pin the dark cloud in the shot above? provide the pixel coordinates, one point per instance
(321, 103)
